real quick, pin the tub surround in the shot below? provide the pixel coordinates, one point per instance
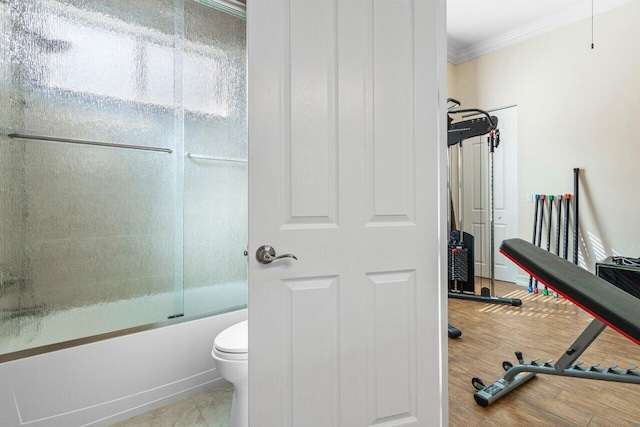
(108, 381)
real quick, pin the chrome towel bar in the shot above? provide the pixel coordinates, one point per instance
(217, 159)
(88, 142)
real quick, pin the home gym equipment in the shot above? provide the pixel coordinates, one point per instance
(623, 272)
(461, 265)
(576, 179)
(558, 221)
(545, 290)
(539, 239)
(494, 141)
(533, 240)
(565, 234)
(459, 131)
(551, 199)
(625, 260)
(460, 249)
(610, 306)
(453, 331)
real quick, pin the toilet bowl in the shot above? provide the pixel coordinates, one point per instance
(230, 353)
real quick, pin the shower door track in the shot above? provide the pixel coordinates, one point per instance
(35, 351)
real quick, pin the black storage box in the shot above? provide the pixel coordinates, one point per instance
(625, 277)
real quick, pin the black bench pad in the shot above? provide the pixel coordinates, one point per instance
(611, 305)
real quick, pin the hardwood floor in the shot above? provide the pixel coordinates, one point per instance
(542, 327)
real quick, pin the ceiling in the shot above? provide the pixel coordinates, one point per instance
(477, 27)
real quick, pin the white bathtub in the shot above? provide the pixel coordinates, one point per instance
(104, 382)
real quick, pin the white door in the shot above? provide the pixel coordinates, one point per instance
(347, 172)
(476, 193)
(474, 172)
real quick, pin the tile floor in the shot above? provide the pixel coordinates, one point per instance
(209, 408)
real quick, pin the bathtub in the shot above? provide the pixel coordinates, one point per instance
(107, 381)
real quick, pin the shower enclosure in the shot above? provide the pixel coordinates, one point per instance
(123, 172)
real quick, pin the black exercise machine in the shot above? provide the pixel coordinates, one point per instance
(453, 331)
(610, 305)
(460, 258)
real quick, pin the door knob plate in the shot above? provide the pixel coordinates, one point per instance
(266, 255)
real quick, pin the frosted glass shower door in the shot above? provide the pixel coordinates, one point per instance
(123, 172)
(90, 236)
(215, 173)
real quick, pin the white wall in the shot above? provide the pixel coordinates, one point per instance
(104, 382)
(577, 107)
(451, 80)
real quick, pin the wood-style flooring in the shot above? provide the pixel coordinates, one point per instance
(542, 327)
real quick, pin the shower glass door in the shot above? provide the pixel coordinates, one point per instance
(105, 222)
(215, 168)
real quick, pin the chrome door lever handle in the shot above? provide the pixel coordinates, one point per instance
(266, 255)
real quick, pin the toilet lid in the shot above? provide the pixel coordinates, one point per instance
(234, 339)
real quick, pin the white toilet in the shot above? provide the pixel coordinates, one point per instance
(230, 352)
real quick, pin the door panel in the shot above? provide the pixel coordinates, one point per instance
(344, 176)
(506, 190)
(395, 311)
(310, 109)
(475, 203)
(314, 329)
(390, 57)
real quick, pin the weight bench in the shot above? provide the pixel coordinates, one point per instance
(609, 305)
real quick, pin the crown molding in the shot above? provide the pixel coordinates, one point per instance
(453, 51)
(458, 55)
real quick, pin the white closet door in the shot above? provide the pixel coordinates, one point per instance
(477, 195)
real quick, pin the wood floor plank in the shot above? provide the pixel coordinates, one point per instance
(610, 421)
(542, 327)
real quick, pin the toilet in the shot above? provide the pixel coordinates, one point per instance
(230, 353)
